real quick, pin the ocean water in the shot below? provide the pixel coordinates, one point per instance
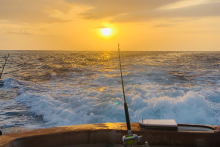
(58, 88)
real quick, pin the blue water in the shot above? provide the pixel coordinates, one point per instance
(56, 88)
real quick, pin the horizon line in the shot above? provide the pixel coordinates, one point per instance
(109, 51)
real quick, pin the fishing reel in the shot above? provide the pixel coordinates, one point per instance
(131, 140)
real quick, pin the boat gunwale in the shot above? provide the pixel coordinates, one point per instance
(99, 133)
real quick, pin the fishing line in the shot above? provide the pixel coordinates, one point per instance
(40, 115)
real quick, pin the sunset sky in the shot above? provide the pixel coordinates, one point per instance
(138, 25)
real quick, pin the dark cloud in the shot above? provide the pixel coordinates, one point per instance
(144, 10)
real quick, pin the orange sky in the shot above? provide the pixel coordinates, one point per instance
(138, 25)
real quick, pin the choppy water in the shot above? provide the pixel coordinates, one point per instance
(54, 88)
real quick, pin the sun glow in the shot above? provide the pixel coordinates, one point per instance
(106, 31)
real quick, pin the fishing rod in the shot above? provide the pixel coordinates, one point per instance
(4, 66)
(125, 103)
(130, 139)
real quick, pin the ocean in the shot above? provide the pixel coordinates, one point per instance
(58, 88)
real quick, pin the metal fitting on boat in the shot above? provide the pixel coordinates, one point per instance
(131, 140)
(146, 144)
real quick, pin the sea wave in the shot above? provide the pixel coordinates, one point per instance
(46, 89)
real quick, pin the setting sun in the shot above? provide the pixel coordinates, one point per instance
(106, 31)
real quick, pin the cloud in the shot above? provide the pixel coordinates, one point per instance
(42, 11)
(202, 10)
(103, 9)
(3, 39)
(145, 10)
(164, 25)
(100, 27)
(32, 11)
(43, 29)
(19, 32)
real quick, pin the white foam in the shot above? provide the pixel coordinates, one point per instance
(100, 100)
(89, 105)
(11, 83)
(78, 109)
(191, 108)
